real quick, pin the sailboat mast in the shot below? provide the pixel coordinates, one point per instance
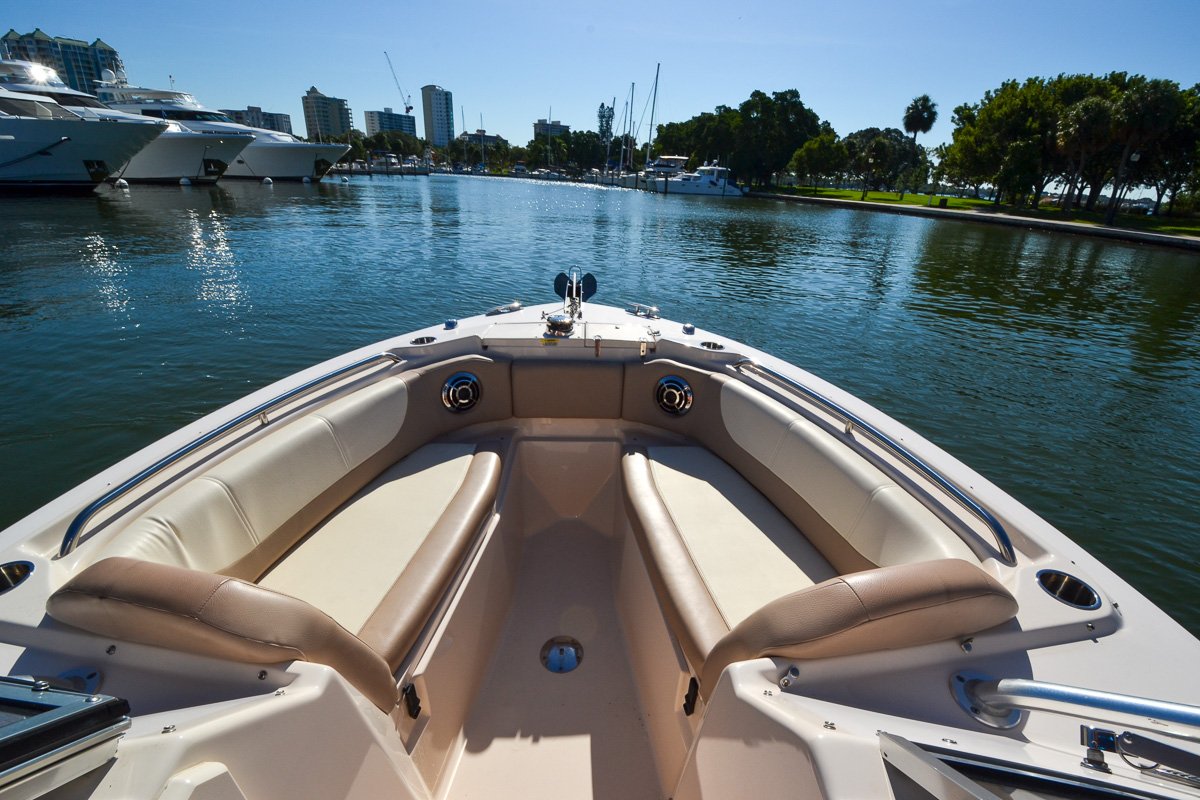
(629, 129)
(608, 144)
(653, 104)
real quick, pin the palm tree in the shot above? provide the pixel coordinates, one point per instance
(920, 116)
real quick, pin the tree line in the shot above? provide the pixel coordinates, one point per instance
(1082, 133)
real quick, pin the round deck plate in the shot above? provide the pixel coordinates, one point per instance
(561, 654)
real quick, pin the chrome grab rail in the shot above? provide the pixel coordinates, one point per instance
(71, 538)
(1003, 542)
(997, 702)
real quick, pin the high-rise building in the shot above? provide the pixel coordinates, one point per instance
(482, 137)
(325, 116)
(545, 128)
(78, 63)
(255, 117)
(438, 105)
(388, 120)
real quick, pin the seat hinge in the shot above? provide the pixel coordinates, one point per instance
(412, 702)
(689, 699)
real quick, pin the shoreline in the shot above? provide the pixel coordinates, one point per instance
(1057, 226)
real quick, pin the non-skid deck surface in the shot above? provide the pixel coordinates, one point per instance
(536, 734)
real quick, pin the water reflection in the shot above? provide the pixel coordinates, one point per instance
(220, 289)
(103, 260)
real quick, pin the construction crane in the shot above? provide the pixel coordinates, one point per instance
(404, 96)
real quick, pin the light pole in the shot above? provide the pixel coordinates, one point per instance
(867, 177)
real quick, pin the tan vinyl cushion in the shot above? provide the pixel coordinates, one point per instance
(346, 566)
(397, 620)
(213, 615)
(686, 602)
(746, 551)
(881, 520)
(879, 609)
(213, 521)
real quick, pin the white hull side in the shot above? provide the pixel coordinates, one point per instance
(285, 160)
(183, 155)
(103, 145)
(703, 188)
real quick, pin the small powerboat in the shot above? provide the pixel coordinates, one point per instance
(572, 550)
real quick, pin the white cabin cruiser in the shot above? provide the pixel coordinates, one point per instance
(178, 154)
(272, 154)
(573, 550)
(43, 146)
(709, 180)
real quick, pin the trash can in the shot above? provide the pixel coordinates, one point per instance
(941, 202)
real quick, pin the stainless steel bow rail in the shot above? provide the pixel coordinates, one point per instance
(854, 422)
(71, 538)
(999, 703)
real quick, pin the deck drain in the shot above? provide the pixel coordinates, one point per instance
(561, 654)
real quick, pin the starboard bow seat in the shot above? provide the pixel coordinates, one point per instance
(736, 580)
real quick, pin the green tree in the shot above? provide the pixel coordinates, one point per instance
(1146, 111)
(1086, 130)
(821, 157)
(920, 116)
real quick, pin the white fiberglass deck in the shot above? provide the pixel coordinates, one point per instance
(533, 733)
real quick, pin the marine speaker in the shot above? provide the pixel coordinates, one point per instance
(673, 395)
(461, 392)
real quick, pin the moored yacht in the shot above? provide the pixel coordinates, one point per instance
(43, 146)
(275, 155)
(178, 154)
(573, 550)
(709, 180)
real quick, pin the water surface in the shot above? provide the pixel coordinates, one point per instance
(1065, 369)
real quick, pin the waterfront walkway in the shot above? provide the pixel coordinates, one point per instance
(999, 218)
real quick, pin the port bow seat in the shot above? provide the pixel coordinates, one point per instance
(330, 539)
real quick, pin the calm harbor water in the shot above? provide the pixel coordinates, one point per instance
(1067, 370)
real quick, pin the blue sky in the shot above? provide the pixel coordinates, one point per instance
(856, 64)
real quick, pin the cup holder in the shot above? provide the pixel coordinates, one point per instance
(1068, 589)
(13, 574)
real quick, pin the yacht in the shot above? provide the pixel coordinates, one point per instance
(177, 155)
(272, 154)
(43, 146)
(573, 550)
(709, 180)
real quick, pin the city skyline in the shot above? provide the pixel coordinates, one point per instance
(855, 67)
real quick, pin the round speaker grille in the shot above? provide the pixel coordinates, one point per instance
(461, 392)
(673, 395)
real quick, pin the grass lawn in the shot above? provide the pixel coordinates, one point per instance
(1184, 226)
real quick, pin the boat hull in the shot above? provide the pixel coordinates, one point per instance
(71, 155)
(703, 188)
(285, 161)
(200, 158)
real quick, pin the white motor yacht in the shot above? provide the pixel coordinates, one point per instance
(178, 154)
(275, 155)
(709, 180)
(573, 550)
(45, 146)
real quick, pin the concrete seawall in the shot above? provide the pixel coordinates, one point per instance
(994, 218)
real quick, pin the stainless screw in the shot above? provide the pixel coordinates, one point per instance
(112, 648)
(168, 729)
